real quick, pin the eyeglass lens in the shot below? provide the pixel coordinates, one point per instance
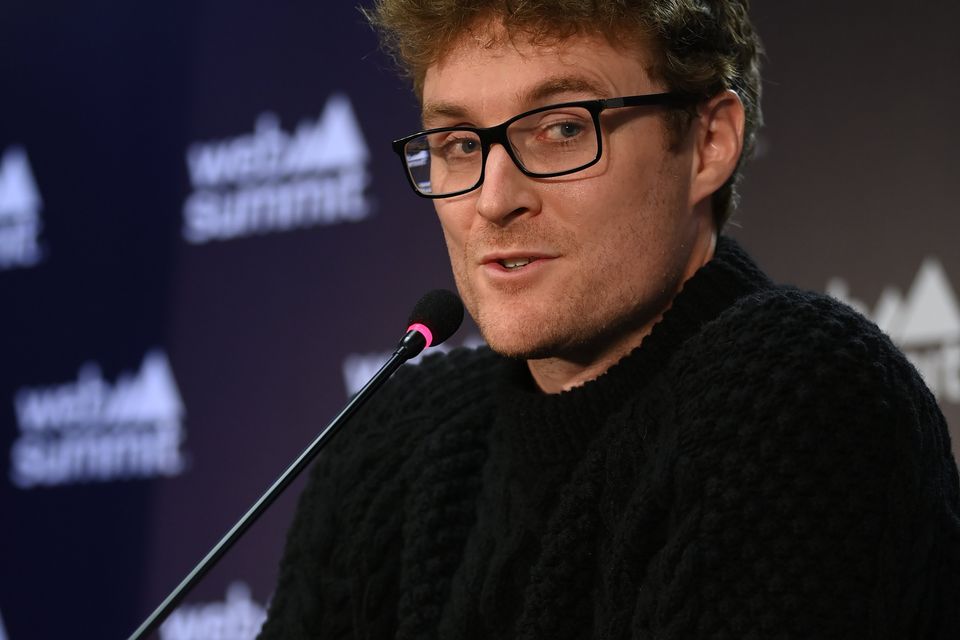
(543, 143)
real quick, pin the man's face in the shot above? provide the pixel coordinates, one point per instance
(609, 247)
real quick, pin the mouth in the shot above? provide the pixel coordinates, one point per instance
(512, 264)
(501, 263)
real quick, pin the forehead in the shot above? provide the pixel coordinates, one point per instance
(497, 76)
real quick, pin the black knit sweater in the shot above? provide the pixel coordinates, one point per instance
(765, 465)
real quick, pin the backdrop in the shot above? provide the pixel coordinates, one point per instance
(206, 244)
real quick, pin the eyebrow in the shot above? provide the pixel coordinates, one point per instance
(533, 97)
(555, 86)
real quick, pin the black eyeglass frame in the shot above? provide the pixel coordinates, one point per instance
(498, 134)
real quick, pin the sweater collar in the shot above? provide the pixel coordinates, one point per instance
(547, 428)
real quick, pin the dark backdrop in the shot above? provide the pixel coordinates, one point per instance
(206, 241)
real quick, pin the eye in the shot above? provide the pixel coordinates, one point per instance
(561, 128)
(455, 147)
(564, 130)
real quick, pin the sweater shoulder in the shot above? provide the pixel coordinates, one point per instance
(795, 314)
(791, 374)
(787, 336)
(796, 445)
(347, 533)
(437, 376)
(418, 399)
(805, 463)
(430, 384)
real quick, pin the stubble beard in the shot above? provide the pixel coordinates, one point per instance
(517, 330)
(575, 324)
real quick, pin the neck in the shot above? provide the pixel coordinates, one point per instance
(562, 373)
(555, 375)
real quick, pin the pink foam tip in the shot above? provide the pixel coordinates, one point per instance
(424, 331)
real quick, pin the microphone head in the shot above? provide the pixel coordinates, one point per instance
(441, 312)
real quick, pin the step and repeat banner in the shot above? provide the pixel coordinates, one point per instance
(207, 244)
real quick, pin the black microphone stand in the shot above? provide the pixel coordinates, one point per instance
(411, 345)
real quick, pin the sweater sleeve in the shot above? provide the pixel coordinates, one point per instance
(312, 588)
(338, 572)
(813, 492)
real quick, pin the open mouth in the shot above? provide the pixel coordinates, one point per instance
(514, 263)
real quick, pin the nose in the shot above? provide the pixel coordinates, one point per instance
(505, 193)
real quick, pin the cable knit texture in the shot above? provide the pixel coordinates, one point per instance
(766, 465)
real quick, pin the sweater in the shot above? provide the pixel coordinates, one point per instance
(766, 464)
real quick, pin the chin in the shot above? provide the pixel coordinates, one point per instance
(522, 352)
(521, 342)
(518, 327)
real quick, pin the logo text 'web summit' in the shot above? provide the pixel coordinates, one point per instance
(20, 206)
(238, 617)
(93, 431)
(271, 180)
(925, 324)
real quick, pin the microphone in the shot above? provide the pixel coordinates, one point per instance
(435, 317)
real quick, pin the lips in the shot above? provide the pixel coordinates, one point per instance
(515, 263)
(514, 260)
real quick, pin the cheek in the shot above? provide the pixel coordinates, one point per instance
(456, 236)
(629, 227)
(455, 240)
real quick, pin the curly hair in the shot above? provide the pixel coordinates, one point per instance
(700, 47)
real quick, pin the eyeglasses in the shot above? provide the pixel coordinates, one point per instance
(550, 141)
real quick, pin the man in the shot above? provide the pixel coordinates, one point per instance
(659, 443)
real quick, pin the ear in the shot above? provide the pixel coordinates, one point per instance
(718, 142)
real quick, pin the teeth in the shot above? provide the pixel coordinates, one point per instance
(513, 263)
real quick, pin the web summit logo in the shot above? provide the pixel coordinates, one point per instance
(93, 431)
(273, 181)
(238, 617)
(925, 324)
(20, 206)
